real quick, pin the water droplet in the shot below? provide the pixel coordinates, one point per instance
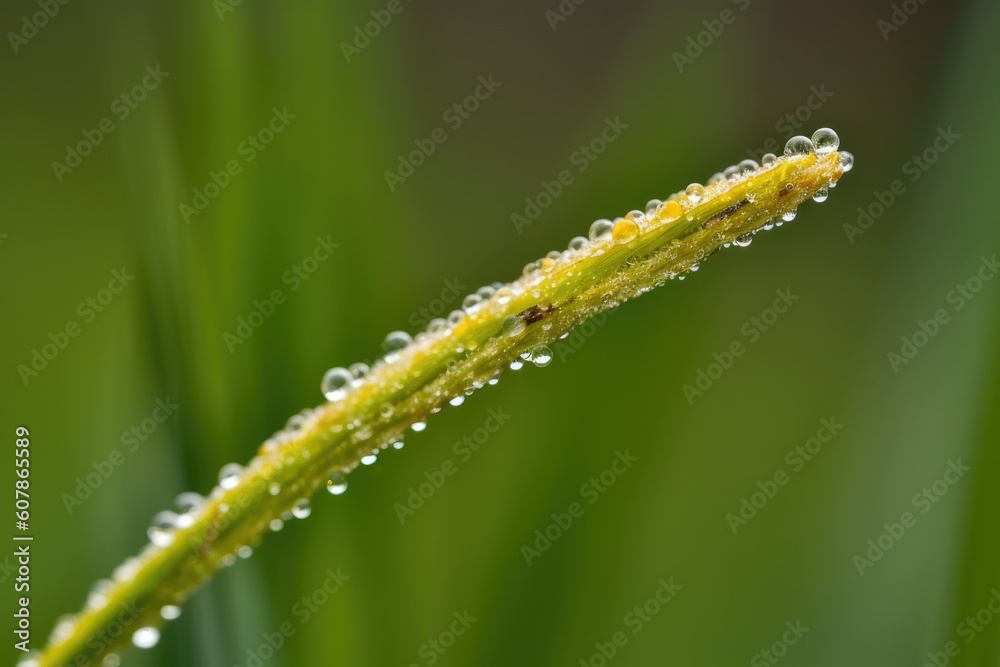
(541, 356)
(788, 216)
(146, 637)
(821, 195)
(768, 159)
(671, 210)
(161, 529)
(624, 231)
(336, 383)
(799, 145)
(513, 326)
(846, 161)
(301, 509)
(457, 401)
(368, 459)
(397, 340)
(170, 612)
(336, 485)
(188, 502)
(601, 229)
(418, 426)
(695, 192)
(577, 243)
(229, 475)
(825, 140)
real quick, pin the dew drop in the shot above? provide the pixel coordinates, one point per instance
(799, 145)
(301, 509)
(188, 502)
(821, 195)
(513, 326)
(418, 426)
(846, 161)
(170, 612)
(397, 340)
(336, 485)
(825, 140)
(229, 475)
(161, 529)
(541, 356)
(146, 637)
(695, 192)
(601, 229)
(336, 383)
(624, 231)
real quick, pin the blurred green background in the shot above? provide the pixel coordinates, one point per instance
(323, 175)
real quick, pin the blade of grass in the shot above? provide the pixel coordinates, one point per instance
(547, 301)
